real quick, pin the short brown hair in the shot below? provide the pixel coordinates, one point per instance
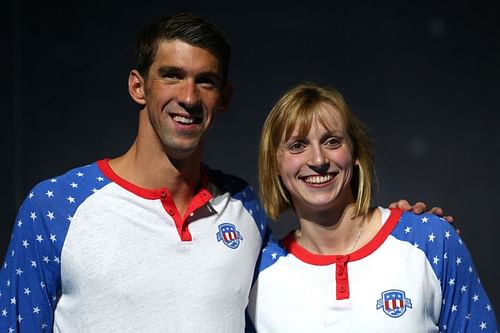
(185, 27)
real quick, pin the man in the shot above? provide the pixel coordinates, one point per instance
(151, 241)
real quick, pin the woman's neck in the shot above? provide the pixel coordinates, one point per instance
(335, 232)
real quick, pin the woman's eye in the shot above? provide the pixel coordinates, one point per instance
(333, 142)
(296, 147)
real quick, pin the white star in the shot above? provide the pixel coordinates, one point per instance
(416, 244)
(46, 259)
(451, 282)
(251, 212)
(468, 316)
(53, 238)
(463, 288)
(70, 199)
(79, 174)
(475, 298)
(454, 308)
(458, 261)
(470, 269)
(425, 219)
(57, 260)
(53, 180)
(49, 194)
(488, 307)
(274, 255)
(19, 318)
(431, 237)
(19, 223)
(13, 300)
(36, 310)
(74, 185)
(69, 218)
(8, 283)
(31, 195)
(42, 284)
(435, 260)
(447, 234)
(33, 216)
(44, 325)
(459, 241)
(11, 330)
(100, 179)
(19, 271)
(482, 326)
(26, 244)
(50, 215)
(33, 263)
(4, 312)
(94, 190)
(39, 238)
(27, 291)
(445, 255)
(407, 229)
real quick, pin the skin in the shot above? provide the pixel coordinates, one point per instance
(179, 98)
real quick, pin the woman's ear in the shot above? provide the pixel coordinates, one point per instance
(136, 87)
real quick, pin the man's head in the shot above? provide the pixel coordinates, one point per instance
(188, 28)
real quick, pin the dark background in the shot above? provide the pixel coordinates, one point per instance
(424, 76)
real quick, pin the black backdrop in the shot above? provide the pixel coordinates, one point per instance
(424, 77)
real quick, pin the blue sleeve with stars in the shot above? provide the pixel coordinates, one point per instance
(30, 278)
(466, 306)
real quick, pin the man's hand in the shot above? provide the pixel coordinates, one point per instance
(420, 207)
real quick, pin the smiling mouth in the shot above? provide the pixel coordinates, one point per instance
(317, 179)
(186, 120)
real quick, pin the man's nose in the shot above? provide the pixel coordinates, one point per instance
(188, 96)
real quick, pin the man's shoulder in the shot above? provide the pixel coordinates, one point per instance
(74, 183)
(226, 182)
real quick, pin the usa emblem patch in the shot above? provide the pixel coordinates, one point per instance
(229, 235)
(394, 303)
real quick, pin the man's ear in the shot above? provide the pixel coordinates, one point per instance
(226, 95)
(136, 87)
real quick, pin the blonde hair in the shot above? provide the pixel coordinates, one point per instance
(301, 105)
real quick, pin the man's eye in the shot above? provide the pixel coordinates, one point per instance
(172, 76)
(296, 147)
(207, 83)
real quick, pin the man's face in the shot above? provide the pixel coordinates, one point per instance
(183, 92)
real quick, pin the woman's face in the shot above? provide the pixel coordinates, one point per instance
(316, 169)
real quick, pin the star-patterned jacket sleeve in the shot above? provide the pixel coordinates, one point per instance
(465, 304)
(30, 277)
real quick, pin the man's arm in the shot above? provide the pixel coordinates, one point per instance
(29, 277)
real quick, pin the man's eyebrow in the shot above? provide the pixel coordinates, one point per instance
(170, 69)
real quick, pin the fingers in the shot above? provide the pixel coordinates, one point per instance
(437, 211)
(419, 207)
(401, 204)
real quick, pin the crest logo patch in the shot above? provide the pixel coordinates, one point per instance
(229, 235)
(394, 303)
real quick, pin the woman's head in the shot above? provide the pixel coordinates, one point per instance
(295, 112)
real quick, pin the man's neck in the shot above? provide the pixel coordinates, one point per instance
(153, 170)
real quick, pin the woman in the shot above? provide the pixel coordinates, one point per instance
(350, 267)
